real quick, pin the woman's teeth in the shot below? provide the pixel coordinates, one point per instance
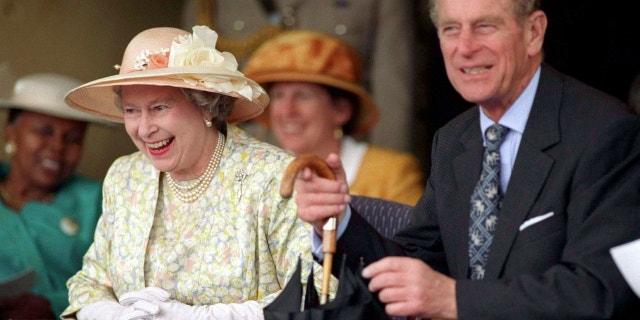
(51, 164)
(159, 144)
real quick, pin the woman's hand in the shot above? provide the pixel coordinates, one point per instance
(170, 309)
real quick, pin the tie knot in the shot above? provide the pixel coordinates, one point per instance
(494, 135)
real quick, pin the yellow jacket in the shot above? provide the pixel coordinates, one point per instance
(390, 175)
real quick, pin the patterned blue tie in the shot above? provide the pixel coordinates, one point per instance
(485, 202)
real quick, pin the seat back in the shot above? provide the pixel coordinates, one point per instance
(386, 216)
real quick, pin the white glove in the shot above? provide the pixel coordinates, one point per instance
(149, 294)
(176, 310)
(111, 310)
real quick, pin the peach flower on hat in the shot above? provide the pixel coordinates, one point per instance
(159, 60)
(173, 57)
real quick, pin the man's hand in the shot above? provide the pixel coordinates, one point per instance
(318, 198)
(409, 287)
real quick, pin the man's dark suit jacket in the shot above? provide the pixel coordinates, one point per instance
(580, 159)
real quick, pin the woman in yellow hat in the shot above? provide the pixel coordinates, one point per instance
(193, 226)
(48, 214)
(318, 106)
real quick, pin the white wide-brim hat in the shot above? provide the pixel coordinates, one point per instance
(173, 57)
(44, 93)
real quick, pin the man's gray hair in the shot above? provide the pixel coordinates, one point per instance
(521, 8)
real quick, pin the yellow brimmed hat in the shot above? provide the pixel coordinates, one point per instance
(308, 56)
(173, 57)
(44, 93)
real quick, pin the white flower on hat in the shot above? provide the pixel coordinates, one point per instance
(199, 49)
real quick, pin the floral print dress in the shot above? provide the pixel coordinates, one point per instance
(239, 241)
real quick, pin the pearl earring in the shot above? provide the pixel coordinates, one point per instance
(8, 148)
(208, 123)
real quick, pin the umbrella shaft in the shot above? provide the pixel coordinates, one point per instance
(326, 277)
(328, 248)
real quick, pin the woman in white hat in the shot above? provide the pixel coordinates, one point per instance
(193, 226)
(318, 106)
(47, 213)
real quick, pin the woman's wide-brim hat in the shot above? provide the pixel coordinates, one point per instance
(44, 93)
(309, 56)
(173, 57)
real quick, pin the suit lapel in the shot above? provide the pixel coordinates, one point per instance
(531, 169)
(467, 167)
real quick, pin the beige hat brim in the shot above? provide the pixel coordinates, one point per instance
(99, 97)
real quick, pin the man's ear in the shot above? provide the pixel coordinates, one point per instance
(536, 28)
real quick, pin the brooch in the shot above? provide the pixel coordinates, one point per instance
(69, 226)
(239, 176)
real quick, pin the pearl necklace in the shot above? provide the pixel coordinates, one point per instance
(191, 192)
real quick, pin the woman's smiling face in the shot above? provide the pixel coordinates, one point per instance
(47, 148)
(168, 128)
(304, 116)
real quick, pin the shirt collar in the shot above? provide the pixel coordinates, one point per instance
(517, 115)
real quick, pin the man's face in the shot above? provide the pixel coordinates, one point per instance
(489, 54)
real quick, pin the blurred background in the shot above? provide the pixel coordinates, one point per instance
(83, 39)
(594, 42)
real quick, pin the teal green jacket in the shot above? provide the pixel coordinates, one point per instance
(50, 238)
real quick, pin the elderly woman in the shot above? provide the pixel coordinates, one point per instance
(47, 214)
(193, 226)
(318, 106)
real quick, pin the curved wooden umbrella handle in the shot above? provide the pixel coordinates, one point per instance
(315, 163)
(321, 168)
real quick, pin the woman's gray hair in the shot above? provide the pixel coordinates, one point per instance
(521, 9)
(219, 105)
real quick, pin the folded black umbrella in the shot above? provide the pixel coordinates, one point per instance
(353, 300)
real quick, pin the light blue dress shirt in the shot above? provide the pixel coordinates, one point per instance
(515, 119)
